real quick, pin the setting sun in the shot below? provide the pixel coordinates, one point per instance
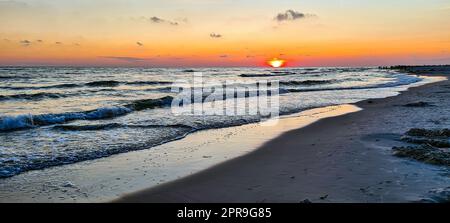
(276, 62)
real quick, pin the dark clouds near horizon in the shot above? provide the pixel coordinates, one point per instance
(155, 19)
(291, 15)
(215, 35)
(25, 42)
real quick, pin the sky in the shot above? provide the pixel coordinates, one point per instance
(223, 33)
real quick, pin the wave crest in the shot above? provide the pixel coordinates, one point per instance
(11, 123)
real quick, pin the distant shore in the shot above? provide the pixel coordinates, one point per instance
(357, 157)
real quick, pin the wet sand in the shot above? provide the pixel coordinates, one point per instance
(347, 158)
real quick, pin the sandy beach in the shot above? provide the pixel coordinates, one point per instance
(347, 158)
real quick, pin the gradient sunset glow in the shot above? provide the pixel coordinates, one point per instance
(206, 33)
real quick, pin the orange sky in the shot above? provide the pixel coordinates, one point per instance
(194, 33)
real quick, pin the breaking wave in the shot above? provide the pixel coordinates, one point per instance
(89, 84)
(36, 96)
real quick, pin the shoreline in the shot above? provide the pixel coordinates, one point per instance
(362, 167)
(113, 177)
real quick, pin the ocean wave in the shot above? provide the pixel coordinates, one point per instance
(308, 82)
(87, 127)
(201, 96)
(22, 162)
(61, 86)
(12, 123)
(40, 87)
(351, 69)
(89, 84)
(206, 89)
(36, 96)
(112, 83)
(143, 104)
(103, 83)
(113, 126)
(269, 74)
(306, 71)
(148, 82)
(7, 77)
(283, 73)
(16, 77)
(385, 85)
(51, 95)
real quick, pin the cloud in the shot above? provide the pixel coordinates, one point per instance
(155, 19)
(58, 43)
(223, 56)
(39, 41)
(291, 15)
(215, 35)
(139, 44)
(25, 42)
(127, 59)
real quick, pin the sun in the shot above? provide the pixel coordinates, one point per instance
(275, 62)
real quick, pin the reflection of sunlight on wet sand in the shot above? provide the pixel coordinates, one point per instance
(307, 117)
(107, 178)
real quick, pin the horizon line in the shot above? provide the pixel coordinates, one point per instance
(175, 67)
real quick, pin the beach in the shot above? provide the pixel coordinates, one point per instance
(106, 179)
(347, 158)
(333, 145)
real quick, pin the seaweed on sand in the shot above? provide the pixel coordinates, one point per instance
(425, 153)
(431, 146)
(418, 104)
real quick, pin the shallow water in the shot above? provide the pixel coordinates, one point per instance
(56, 116)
